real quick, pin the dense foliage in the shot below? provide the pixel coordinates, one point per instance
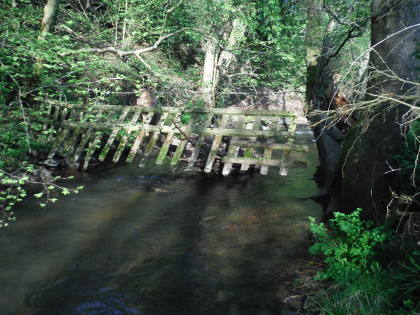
(363, 281)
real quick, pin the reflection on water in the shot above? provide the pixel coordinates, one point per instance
(140, 242)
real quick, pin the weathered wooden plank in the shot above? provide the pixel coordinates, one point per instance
(187, 130)
(149, 148)
(111, 138)
(56, 112)
(240, 160)
(283, 164)
(178, 152)
(195, 154)
(153, 139)
(165, 148)
(71, 141)
(61, 138)
(91, 150)
(125, 137)
(215, 146)
(49, 110)
(233, 149)
(79, 151)
(274, 146)
(249, 151)
(291, 128)
(64, 113)
(215, 111)
(139, 138)
(213, 152)
(268, 151)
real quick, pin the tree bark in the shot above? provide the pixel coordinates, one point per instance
(50, 16)
(217, 61)
(319, 77)
(363, 178)
(208, 84)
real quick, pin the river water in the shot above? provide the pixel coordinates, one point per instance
(148, 242)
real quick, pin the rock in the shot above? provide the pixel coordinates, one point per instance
(45, 175)
(294, 301)
(159, 190)
(53, 162)
(211, 218)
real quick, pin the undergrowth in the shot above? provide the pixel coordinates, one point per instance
(359, 281)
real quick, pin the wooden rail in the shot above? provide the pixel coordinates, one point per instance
(120, 133)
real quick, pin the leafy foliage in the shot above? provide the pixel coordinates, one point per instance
(348, 245)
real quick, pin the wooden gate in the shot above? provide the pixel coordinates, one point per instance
(120, 133)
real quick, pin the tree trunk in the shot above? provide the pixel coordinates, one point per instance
(208, 84)
(217, 61)
(47, 25)
(50, 16)
(363, 179)
(319, 77)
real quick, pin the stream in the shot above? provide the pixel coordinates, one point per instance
(148, 242)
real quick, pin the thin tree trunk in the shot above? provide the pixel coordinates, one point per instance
(47, 25)
(217, 61)
(50, 16)
(208, 85)
(328, 137)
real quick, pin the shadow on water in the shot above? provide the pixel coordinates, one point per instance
(142, 242)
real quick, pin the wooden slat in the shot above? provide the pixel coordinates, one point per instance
(215, 146)
(291, 128)
(79, 151)
(164, 109)
(178, 152)
(61, 138)
(111, 138)
(149, 148)
(165, 147)
(139, 138)
(125, 137)
(274, 146)
(249, 151)
(233, 149)
(283, 164)
(187, 130)
(153, 140)
(49, 112)
(195, 154)
(71, 141)
(91, 150)
(170, 120)
(268, 151)
(240, 160)
(56, 112)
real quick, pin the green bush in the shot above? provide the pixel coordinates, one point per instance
(348, 245)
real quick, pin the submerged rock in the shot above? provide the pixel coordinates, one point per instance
(54, 162)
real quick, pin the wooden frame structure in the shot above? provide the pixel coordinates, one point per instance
(118, 132)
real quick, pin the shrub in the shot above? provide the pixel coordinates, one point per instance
(348, 245)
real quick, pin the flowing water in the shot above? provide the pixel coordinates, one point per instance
(138, 241)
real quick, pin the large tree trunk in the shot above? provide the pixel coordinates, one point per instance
(370, 148)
